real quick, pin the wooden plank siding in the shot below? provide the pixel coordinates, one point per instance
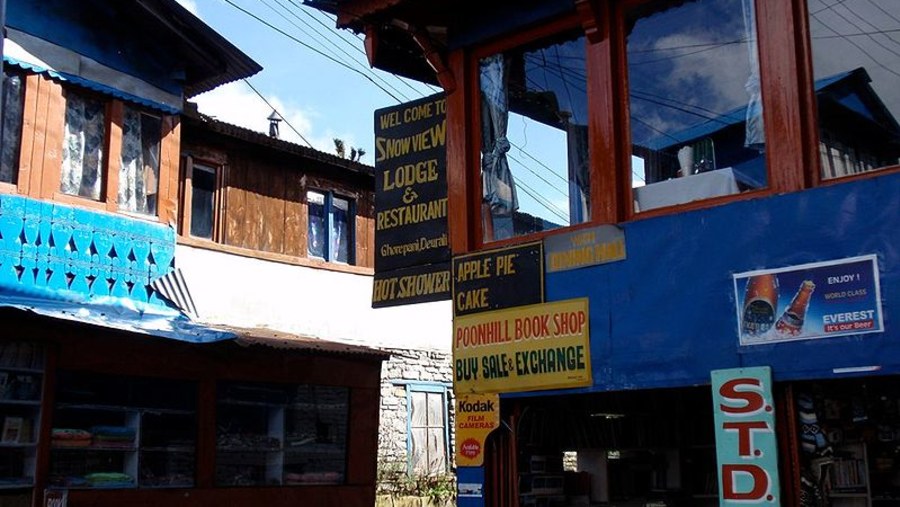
(264, 191)
(295, 218)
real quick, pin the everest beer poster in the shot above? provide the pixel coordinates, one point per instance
(816, 300)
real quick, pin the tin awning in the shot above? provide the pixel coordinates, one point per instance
(116, 313)
(90, 85)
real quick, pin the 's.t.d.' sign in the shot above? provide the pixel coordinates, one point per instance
(745, 436)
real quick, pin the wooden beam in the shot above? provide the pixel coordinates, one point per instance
(435, 60)
(591, 15)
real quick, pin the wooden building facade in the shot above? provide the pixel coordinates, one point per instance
(110, 393)
(717, 182)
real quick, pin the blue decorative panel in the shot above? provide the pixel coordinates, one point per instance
(52, 250)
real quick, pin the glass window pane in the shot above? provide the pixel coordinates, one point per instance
(535, 167)
(437, 457)
(119, 432)
(315, 203)
(340, 234)
(13, 106)
(203, 190)
(695, 102)
(85, 132)
(856, 64)
(269, 434)
(139, 171)
(418, 454)
(435, 410)
(418, 410)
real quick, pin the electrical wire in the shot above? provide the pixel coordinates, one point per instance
(352, 60)
(279, 113)
(304, 44)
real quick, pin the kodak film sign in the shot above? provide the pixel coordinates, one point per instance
(526, 348)
(476, 416)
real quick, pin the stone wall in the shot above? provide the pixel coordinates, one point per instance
(407, 366)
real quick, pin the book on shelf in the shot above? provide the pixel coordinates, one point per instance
(12, 430)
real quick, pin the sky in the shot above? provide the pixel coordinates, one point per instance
(318, 97)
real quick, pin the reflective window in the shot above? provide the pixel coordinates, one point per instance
(13, 107)
(695, 101)
(856, 64)
(139, 171)
(273, 434)
(534, 138)
(203, 191)
(330, 227)
(83, 140)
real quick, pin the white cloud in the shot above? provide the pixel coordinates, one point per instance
(237, 104)
(190, 5)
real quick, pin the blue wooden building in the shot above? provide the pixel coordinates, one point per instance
(742, 158)
(111, 393)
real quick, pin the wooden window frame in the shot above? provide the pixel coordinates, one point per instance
(40, 156)
(792, 159)
(187, 196)
(351, 227)
(434, 388)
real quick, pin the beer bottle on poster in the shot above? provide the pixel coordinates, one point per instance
(760, 302)
(791, 321)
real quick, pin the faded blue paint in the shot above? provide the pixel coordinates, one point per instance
(90, 267)
(55, 251)
(94, 29)
(665, 316)
(470, 487)
(91, 85)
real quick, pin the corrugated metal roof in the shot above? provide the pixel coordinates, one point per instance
(251, 136)
(281, 340)
(91, 85)
(114, 313)
(195, 35)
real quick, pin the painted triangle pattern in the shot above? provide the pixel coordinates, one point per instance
(50, 246)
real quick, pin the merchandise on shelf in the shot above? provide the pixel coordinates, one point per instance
(70, 437)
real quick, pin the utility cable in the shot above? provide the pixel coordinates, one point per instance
(350, 58)
(298, 41)
(279, 114)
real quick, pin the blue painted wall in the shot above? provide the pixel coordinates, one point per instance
(94, 28)
(666, 315)
(52, 251)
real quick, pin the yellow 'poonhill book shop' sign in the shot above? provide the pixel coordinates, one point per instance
(542, 346)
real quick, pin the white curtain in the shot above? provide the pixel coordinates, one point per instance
(139, 170)
(755, 132)
(82, 164)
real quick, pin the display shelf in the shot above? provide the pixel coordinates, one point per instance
(277, 434)
(21, 402)
(17, 485)
(95, 448)
(21, 391)
(19, 369)
(119, 408)
(144, 443)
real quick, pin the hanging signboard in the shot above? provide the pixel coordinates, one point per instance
(817, 300)
(417, 284)
(583, 248)
(477, 415)
(411, 229)
(527, 348)
(497, 279)
(746, 447)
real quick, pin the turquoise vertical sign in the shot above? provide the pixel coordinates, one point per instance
(746, 446)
